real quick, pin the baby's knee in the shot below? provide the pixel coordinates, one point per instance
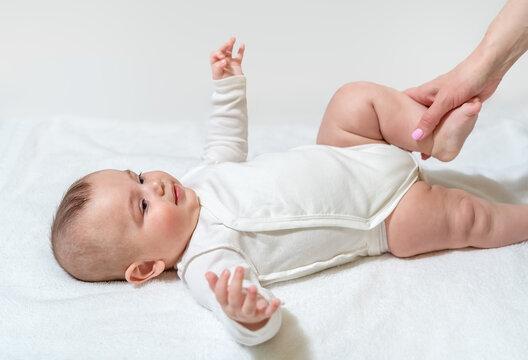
(469, 218)
(356, 88)
(463, 216)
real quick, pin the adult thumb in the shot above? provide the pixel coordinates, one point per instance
(420, 96)
(430, 119)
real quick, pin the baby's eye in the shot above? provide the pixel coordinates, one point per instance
(141, 180)
(143, 206)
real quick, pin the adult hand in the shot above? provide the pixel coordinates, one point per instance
(480, 73)
(470, 79)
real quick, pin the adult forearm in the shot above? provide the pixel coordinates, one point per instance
(507, 37)
(478, 75)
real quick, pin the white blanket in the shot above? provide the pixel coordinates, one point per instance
(467, 304)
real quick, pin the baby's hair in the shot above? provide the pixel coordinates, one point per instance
(71, 205)
(68, 212)
(82, 251)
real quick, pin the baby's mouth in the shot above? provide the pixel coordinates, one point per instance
(176, 194)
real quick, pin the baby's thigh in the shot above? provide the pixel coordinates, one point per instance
(364, 112)
(350, 118)
(426, 219)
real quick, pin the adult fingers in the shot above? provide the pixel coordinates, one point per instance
(421, 95)
(432, 116)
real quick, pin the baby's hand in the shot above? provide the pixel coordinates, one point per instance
(245, 306)
(223, 64)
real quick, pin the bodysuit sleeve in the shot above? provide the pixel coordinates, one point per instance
(216, 261)
(227, 128)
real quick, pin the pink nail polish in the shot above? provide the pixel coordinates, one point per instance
(417, 134)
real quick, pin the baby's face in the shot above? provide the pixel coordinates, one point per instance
(152, 212)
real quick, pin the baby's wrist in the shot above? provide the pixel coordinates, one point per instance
(231, 80)
(224, 76)
(254, 326)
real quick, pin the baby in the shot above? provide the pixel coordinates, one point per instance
(281, 215)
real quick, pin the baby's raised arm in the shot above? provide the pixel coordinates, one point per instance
(227, 130)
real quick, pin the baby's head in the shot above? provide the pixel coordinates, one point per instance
(114, 225)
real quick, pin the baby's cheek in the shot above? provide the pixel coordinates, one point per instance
(167, 221)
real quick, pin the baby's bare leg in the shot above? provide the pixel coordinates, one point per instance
(362, 113)
(430, 218)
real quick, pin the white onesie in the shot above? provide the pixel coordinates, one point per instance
(284, 215)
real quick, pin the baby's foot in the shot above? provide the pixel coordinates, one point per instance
(454, 129)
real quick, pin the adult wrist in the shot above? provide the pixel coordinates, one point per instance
(507, 37)
(491, 58)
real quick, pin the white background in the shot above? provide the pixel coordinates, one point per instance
(148, 60)
(73, 72)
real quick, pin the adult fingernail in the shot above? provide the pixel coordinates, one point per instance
(417, 134)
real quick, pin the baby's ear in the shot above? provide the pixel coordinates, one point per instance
(141, 271)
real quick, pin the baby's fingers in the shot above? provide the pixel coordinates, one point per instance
(250, 303)
(235, 288)
(221, 288)
(228, 46)
(216, 56)
(218, 69)
(266, 310)
(272, 308)
(240, 54)
(211, 279)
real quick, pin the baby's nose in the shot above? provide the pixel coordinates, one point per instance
(158, 187)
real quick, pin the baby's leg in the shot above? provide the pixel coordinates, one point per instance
(430, 218)
(362, 113)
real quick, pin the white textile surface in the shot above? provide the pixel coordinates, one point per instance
(467, 304)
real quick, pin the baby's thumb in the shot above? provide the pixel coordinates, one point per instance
(218, 69)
